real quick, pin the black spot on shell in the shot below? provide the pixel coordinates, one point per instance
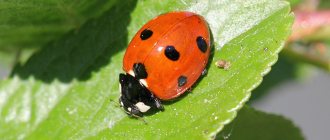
(145, 34)
(182, 80)
(201, 43)
(171, 53)
(140, 71)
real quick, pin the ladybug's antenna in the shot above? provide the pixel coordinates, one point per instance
(140, 118)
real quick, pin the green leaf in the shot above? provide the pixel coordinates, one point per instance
(294, 2)
(10, 56)
(31, 23)
(7, 57)
(69, 89)
(324, 4)
(251, 124)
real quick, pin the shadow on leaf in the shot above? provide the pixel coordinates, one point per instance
(83, 51)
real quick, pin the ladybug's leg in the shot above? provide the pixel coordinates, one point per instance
(204, 72)
(189, 89)
(157, 103)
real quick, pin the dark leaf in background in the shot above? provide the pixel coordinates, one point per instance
(251, 124)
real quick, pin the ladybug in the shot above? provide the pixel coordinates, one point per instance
(164, 59)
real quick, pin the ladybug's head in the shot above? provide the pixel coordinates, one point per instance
(136, 98)
(129, 86)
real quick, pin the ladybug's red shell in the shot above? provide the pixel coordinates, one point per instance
(170, 74)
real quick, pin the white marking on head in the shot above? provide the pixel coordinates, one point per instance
(131, 72)
(143, 82)
(121, 103)
(142, 107)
